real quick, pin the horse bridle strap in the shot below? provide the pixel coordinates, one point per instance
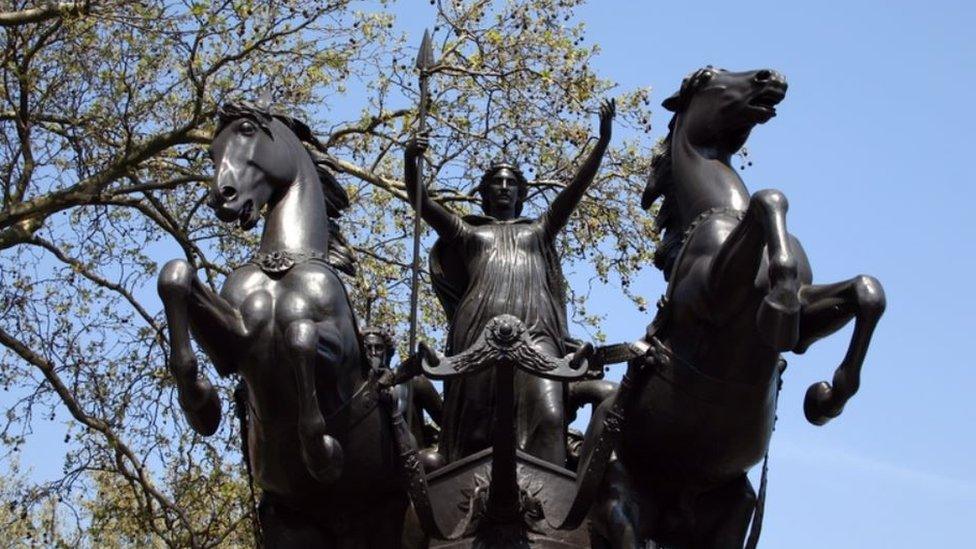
(354, 411)
(708, 214)
(366, 398)
(680, 373)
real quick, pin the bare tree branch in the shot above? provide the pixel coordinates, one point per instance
(49, 10)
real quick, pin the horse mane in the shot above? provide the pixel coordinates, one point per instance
(666, 222)
(661, 179)
(340, 254)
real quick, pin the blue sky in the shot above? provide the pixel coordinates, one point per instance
(873, 147)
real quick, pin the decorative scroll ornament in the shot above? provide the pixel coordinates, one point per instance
(505, 339)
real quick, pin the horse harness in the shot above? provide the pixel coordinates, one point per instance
(670, 365)
(278, 262)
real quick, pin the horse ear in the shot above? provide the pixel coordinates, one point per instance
(264, 101)
(673, 103)
(299, 128)
(651, 193)
(691, 83)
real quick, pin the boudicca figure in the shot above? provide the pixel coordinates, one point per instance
(499, 263)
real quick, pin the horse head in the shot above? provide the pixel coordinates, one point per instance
(256, 157)
(719, 108)
(714, 112)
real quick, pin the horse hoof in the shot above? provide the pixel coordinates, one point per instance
(778, 320)
(325, 461)
(196, 394)
(205, 418)
(815, 404)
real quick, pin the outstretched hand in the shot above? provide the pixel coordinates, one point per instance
(608, 109)
(417, 146)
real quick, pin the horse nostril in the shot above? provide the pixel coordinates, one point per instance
(228, 192)
(763, 75)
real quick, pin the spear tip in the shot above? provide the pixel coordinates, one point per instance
(425, 57)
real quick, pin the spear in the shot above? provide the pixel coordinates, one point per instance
(425, 60)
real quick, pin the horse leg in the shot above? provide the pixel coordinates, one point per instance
(188, 303)
(615, 512)
(615, 515)
(283, 528)
(321, 453)
(827, 308)
(733, 270)
(726, 513)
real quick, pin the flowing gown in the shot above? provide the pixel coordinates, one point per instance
(481, 269)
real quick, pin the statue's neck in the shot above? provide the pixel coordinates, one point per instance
(298, 220)
(705, 179)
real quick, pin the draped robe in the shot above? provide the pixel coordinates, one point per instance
(482, 268)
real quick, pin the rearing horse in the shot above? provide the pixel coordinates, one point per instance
(740, 293)
(321, 451)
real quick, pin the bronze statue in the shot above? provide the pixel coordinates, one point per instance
(497, 497)
(321, 448)
(331, 431)
(501, 263)
(422, 395)
(698, 410)
(588, 392)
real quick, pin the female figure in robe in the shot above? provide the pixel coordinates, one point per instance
(501, 263)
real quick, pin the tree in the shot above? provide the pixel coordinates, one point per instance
(106, 111)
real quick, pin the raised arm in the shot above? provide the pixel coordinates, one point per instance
(446, 223)
(566, 201)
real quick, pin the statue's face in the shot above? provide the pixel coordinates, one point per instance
(501, 194)
(376, 348)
